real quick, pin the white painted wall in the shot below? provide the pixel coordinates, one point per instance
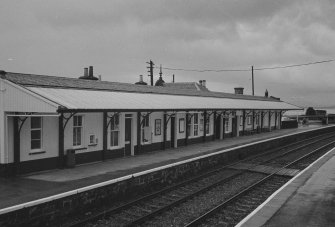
(9, 155)
(92, 124)
(2, 122)
(18, 99)
(49, 140)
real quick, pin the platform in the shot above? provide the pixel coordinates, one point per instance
(306, 200)
(27, 188)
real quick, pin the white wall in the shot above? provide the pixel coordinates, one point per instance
(2, 123)
(92, 124)
(49, 140)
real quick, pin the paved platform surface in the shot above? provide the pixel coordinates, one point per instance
(308, 200)
(31, 187)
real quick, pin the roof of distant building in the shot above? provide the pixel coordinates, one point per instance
(186, 85)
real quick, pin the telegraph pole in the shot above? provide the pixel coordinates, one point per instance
(252, 75)
(151, 72)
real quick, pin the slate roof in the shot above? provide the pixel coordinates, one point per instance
(33, 80)
(186, 85)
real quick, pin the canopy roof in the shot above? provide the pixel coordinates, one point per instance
(93, 100)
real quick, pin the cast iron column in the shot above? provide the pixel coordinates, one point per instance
(204, 126)
(104, 136)
(138, 132)
(60, 141)
(164, 130)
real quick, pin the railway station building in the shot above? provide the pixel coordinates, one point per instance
(48, 122)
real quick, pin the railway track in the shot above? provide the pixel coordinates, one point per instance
(151, 206)
(231, 211)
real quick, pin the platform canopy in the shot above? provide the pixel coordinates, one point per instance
(98, 100)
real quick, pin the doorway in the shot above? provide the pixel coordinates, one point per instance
(172, 131)
(218, 127)
(127, 142)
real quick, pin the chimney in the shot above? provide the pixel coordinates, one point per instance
(90, 74)
(239, 90)
(204, 83)
(173, 78)
(266, 93)
(3, 74)
(141, 82)
(200, 82)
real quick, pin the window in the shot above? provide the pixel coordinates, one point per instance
(36, 133)
(181, 125)
(158, 123)
(227, 124)
(195, 124)
(249, 120)
(146, 130)
(77, 130)
(92, 141)
(115, 130)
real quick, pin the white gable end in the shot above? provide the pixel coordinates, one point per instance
(19, 99)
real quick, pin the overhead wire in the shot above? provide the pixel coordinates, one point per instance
(248, 70)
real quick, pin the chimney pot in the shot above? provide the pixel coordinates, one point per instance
(200, 82)
(204, 83)
(91, 71)
(141, 78)
(3, 74)
(85, 72)
(239, 90)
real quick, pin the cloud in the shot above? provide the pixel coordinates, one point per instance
(119, 36)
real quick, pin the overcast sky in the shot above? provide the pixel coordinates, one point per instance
(118, 37)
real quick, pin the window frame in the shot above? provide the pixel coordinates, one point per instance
(146, 124)
(81, 127)
(195, 125)
(227, 125)
(41, 134)
(114, 130)
(249, 120)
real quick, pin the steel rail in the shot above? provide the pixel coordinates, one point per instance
(144, 218)
(211, 212)
(118, 209)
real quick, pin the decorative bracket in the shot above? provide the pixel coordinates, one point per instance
(144, 115)
(68, 118)
(21, 122)
(168, 119)
(110, 117)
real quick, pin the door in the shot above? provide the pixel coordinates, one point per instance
(127, 143)
(234, 126)
(172, 131)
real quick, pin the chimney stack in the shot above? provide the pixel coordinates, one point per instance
(91, 71)
(266, 93)
(141, 82)
(204, 83)
(200, 82)
(3, 74)
(88, 74)
(239, 90)
(85, 72)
